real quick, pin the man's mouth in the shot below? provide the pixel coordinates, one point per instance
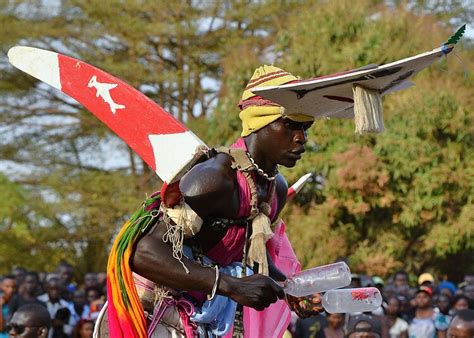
(297, 153)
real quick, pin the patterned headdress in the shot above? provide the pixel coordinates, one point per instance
(257, 112)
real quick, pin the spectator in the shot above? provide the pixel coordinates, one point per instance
(65, 273)
(423, 326)
(8, 289)
(91, 280)
(19, 274)
(469, 292)
(396, 327)
(30, 321)
(335, 325)
(426, 279)
(447, 288)
(364, 326)
(62, 314)
(28, 292)
(84, 329)
(355, 281)
(459, 302)
(462, 325)
(442, 317)
(80, 304)
(401, 289)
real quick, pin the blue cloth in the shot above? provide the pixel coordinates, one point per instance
(218, 314)
(447, 285)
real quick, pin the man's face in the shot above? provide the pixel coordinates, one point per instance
(30, 284)
(461, 304)
(422, 300)
(363, 330)
(24, 324)
(65, 273)
(90, 279)
(92, 295)
(335, 320)
(8, 287)
(393, 306)
(443, 303)
(284, 141)
(54, 290)
(458, 328)
(469, 291)
(400, 280)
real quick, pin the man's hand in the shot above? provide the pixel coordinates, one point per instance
(256, 291)
(306, 306)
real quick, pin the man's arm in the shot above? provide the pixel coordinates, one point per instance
(208, 189)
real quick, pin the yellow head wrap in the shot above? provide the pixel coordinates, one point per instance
(257, 114)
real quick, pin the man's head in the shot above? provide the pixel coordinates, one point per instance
(54, 287)
(279, 131)
(335, 320)
(460, 302)
(19, 274)
(8, 286)
(423, 297)
(462, 325)
(90, 280)
(29, 321)
(30, 283)
(447, 288)
(393, 306)
(364, 326)
(426, 279)
(92, 294)
(469, 291)
(65, 272)
(400, 279)
(443, 303)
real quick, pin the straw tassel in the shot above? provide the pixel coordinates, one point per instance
(368, 110)
(261, 232)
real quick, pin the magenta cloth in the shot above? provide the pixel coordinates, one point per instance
(273, 321)
(231, 246)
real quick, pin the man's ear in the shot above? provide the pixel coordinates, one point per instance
(43, 332)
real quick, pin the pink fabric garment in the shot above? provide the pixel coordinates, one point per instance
(273, 321)
(230, 248)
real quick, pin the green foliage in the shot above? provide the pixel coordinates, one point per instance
(401, 199)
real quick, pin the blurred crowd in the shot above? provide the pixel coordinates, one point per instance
(422, 310)
(71, 308)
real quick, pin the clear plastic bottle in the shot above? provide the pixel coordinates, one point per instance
(352, 300)
(319, 279)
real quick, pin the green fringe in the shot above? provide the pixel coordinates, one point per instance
(138, 223)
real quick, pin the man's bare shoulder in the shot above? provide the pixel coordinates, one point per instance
(210, 182)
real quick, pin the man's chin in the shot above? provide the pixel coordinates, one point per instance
(290, 163)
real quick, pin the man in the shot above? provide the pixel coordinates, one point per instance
(364, 326)
(423, 325)
(90, 280)
(62, 313)
(236, 194)
(462, 325)
(30, 321)
(28, 292)
(7, 297)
